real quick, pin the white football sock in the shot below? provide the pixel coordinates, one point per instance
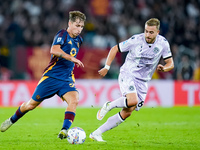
(112, 122)
(118, 103)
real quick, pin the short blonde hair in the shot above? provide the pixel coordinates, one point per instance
(153, 22)
(73, 15)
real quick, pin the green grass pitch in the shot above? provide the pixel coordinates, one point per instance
(150, 128)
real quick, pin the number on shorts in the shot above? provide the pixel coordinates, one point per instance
(140, 104)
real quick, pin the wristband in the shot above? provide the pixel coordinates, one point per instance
(107, 67)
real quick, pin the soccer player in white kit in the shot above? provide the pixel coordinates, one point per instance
(144, 52)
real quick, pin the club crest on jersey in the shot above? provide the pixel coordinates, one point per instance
(155, 50)
(59, 39)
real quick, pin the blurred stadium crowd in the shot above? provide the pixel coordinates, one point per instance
(31, 23)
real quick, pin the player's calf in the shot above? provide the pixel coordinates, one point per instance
(126, 112)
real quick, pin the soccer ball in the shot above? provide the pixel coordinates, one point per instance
(76, 135)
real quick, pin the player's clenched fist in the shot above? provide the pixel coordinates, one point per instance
(160, 68)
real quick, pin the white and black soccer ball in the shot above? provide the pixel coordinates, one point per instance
(76, 135)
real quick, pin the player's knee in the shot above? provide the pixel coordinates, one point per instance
(74, 102)
(132, 101)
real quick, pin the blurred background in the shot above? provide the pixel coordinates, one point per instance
(27, 28)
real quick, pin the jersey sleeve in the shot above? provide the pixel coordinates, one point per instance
(126, 45)
(59, 38)
(166, 52)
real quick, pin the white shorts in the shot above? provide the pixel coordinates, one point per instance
(129, 84)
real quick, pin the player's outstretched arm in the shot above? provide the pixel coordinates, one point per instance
(167, 67)
(57, 51)
(111, 55)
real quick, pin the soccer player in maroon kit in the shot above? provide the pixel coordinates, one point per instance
(58, 77)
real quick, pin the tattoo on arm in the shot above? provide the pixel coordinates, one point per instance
(61, 55)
